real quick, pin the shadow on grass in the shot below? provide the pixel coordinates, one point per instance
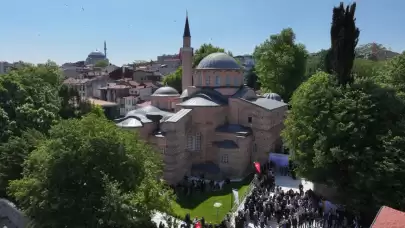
(197, 197)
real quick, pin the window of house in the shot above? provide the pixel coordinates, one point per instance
(249, 119)
(224, 158)
(228, 80)
(164, 150)
(207, 80)
(217, 81)
(194, 142)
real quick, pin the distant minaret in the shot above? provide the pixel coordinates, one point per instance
(186, 57)
(105, 49)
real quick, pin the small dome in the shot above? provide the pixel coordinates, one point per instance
(272, 96)
(218, 61)
(166, 91)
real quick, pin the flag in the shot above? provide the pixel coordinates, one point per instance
(198, 224)
(257, 166)
(235, 196)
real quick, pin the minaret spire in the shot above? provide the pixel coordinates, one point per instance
(186, 57)
(186, 27)
(105, 49)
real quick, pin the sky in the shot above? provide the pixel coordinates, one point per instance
(68, 30)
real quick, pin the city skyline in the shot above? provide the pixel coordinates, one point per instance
(69, 31)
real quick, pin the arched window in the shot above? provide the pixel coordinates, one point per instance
(194, 142)
(217, 80)
(254, 148)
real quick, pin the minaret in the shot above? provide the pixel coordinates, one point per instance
(186, 57)
(105, 49)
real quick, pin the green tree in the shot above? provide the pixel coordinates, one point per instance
(92, 171)
(393, 74)
(205, 50)
(72, 105)
(101, 63)
(280, 64)
(349, 138)
(29, 99)
(364, 68)
(251, 79)
(344, 38)
(32, 99)
(349, 133)
(13, 153)
(174, 79)
(316, 62)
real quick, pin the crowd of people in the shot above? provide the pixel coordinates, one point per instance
(270, 204)
(189, 185)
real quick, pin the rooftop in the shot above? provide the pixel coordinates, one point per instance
(266, 103)
(389, 218)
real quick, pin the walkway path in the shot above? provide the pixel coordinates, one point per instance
(286, 183)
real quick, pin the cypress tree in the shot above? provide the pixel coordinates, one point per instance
(344, 38)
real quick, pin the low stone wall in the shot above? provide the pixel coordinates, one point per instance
(10, 216)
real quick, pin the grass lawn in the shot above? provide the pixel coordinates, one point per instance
(202, 204)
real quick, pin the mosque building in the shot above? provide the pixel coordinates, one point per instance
(217, 127)
(96, 56)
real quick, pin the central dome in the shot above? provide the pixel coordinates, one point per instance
(96, 54)
(218, 61)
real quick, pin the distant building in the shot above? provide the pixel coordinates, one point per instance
(88, 84)
(146, 75)
(5, 67)
(128, 94)
(96, 56)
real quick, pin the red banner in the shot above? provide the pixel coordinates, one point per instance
(257, 166)
(198, 225)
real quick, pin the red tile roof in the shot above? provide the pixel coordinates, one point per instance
(389, 218)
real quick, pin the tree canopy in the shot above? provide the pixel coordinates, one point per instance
(393, 74)
(204, 50)
(29, 99)
(344, 38)
(251, 79)
(101, 63)
(92, 171)
(280, 64)
(174, 79)
(349, 138)
(32, 99)
(349, 132)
